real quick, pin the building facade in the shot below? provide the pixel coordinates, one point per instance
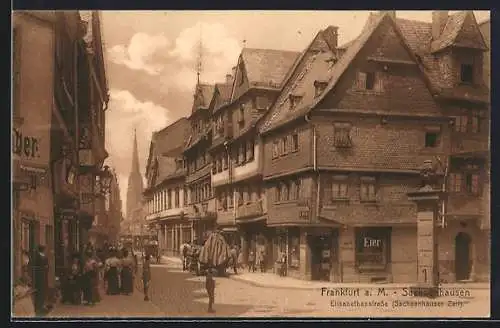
(361, 135)
(33, 90)
(58, 69)
(201, 207)
(312, 154)
(165, 195)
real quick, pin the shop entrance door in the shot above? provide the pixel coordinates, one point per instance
(462, 257)
(321, 256)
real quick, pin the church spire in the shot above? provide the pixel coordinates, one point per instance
(135, 154)
(135, 182)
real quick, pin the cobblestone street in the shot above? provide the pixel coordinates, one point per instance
(175, 293)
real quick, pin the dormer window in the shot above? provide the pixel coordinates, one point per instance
(294, 100)
(319, 87)
(467, 73)
(369, 81)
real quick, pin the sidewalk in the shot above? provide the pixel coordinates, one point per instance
(110, 306)
(271, 280)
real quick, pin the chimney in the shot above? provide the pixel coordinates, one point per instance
(331, 36)
(229, 78)
(391, 13)
(439, 19)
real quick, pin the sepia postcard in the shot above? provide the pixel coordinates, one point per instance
(250, 164)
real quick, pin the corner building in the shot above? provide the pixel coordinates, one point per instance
(345, 140)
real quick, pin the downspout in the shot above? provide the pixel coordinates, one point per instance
(77, 127)
(443, 189)
(315, 163)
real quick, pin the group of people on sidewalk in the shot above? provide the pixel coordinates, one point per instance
(108, 267)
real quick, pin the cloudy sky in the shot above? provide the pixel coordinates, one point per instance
(151, 61)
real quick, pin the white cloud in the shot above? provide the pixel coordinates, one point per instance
(219, 53)
(138, 53)
(126, 113)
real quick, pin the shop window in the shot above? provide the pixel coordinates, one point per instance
(294, 249)
(372, 248)
(368, 189)
(340, 187)
(276, 149)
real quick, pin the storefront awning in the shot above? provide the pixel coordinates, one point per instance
(229, 229)
(257, 219)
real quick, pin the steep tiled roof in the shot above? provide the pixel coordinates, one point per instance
(203, 96)
(450, 31)
(267, 67)
(166, 145)
(416, 35)
(318, 69)
(224, 97)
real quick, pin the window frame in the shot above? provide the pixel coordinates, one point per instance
(368, 190)
(466, 69)
(336, 193)
(342, 135)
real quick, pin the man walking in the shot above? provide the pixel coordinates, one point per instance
(146, 276)
(40, 280)
(185, 250)
(210, 287)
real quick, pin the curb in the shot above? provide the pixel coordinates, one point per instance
(264, 285)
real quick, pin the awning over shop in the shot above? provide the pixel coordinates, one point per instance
(257, 219)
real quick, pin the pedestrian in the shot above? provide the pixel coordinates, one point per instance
(74, 281)
(111, 272)
(146, 276)
(185, 250)
(127, 273)
(240, 259)
(40, 280)
(90, 278)
(262, 260)
(210, 287)
(234, 258)
(251, 262)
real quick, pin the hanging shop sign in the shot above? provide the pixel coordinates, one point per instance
(87, 195)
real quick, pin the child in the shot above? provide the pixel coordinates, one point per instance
(210, 286)
(146, 276)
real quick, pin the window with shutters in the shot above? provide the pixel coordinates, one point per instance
(16, 74)
(342, 135)
(276, 149)
(368, 189)
(340, 187)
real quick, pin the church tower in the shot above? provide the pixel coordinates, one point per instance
(135, 183)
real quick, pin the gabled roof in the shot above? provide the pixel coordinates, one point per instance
(451, 31)
(264, 68)
(333, 75)
(203, 96)
(315, 65)
(167, 143)
(267, 66)
(221, 96)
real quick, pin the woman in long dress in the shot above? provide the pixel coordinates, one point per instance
(90, 279)
(112, 267)
(127, 273)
